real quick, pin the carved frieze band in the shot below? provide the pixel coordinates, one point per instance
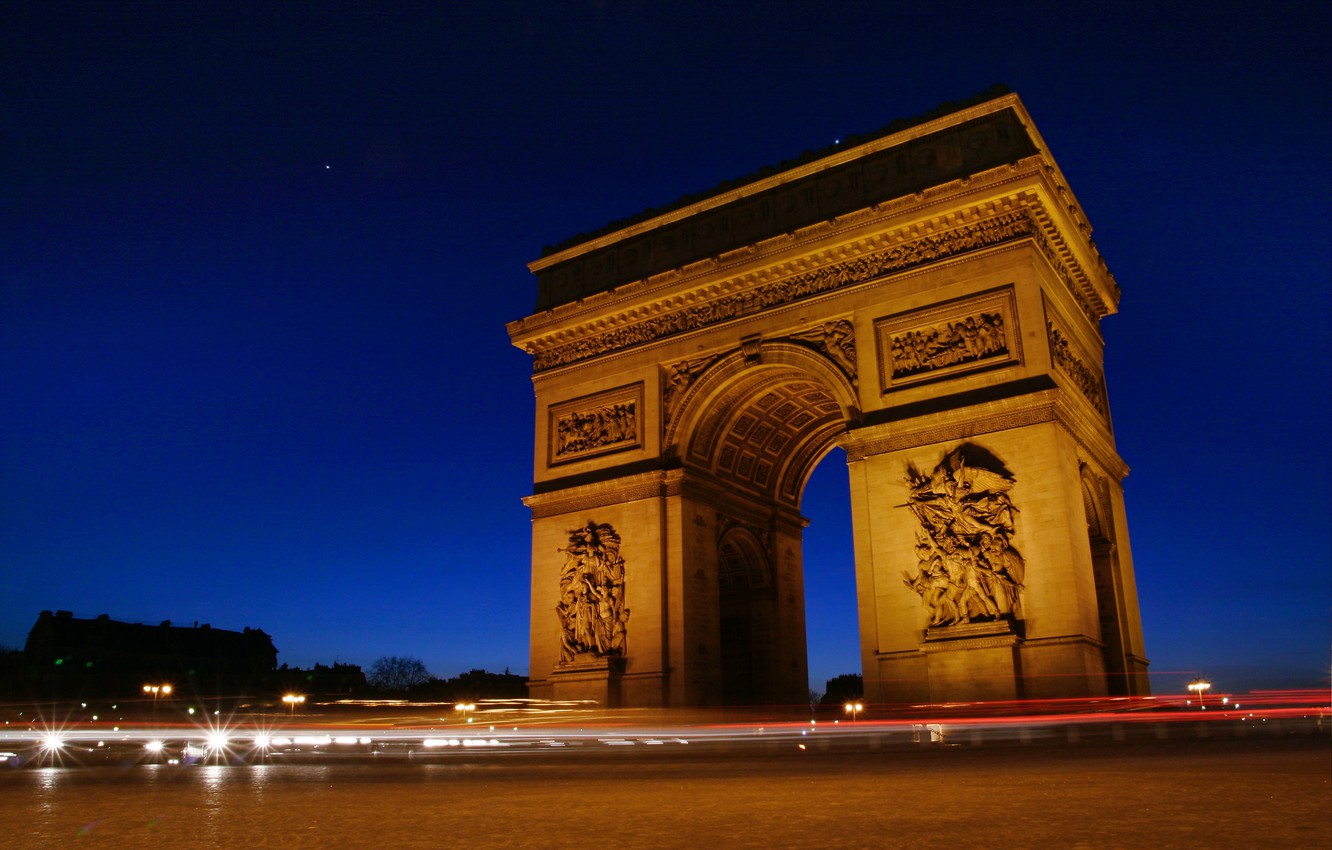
(1088, 380)
(593, 425)
(1057, 262)
(931, 248)
(948, 340)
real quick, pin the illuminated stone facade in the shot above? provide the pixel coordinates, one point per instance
(929, 300)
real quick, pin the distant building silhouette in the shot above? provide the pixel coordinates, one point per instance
(474, 685)
(337, 680)
(67, 656)
(840, 689)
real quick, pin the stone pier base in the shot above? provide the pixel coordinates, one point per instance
(588, 679)
(973, 661)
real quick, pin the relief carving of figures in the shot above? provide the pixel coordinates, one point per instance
(679, 377)
(837, 340)
(926, 249)
(1086, 379)
(583, 430)
(948, 343)
(591, 611)
(967, 567)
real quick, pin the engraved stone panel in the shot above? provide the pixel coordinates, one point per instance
(948, 340)
(974, 236)
(837, 341)
(598, 424)
(591, 611)
(968, 568)
(1087, 379)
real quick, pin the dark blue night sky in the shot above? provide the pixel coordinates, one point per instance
(256, 262)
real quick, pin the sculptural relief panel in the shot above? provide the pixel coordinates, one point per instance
(929, 248)
(593, 425)
(678, 378)
(592, 614)
(836, 340)
(967, 567)
(1068, 360)
(946, 340)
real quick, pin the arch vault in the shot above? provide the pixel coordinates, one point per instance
(928, 300)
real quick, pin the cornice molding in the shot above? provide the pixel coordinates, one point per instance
(726, 271)
(1065, 407)
(608, 336)
(763, 184)
(952, 425)
(1089, 430)
(911, 247)
(631, 488)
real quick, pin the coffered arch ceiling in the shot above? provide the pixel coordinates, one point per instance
(762, 428)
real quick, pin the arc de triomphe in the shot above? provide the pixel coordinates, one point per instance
(929, 300)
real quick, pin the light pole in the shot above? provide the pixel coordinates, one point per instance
(1200, 687)
(156, 691)
(293, 700)
(854, 709)
(466, 708)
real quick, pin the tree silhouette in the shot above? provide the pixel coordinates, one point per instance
(397, 673)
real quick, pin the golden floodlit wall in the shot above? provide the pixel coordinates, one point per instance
(928, 300)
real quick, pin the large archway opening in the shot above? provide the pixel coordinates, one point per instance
(747, 602)
(757, 431)
(832, 626)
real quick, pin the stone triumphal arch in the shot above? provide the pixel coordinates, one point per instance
(929, 300)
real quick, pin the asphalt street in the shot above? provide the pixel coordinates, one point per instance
(1242, 793)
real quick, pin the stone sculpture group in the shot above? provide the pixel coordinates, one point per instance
(967, 567)
(591, 609)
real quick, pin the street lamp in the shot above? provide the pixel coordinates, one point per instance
(853, 709)
(157, 691)
(1200, 687)
(293, 700)
(465, 708)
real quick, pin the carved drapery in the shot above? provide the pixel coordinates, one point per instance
(679, 377)
(836, 340)
(597, 424)
(930, 248)
(967, 567)
(977, 337)
(978, 332)
(1086, 379)
(591, 611)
